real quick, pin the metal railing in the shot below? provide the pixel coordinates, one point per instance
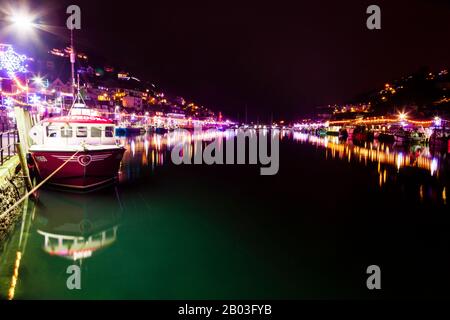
(8, 139)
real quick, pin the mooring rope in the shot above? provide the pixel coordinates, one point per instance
(37, 186)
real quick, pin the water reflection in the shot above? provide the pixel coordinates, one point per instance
(75, 226)
(153, 150)
(414, 156)
(65, 225)
(391, 161)
(139, 256)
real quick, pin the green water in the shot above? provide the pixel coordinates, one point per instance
(225, 232)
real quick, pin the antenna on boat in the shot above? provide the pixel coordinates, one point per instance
(78, 98)
(76, 95)
(72, 62)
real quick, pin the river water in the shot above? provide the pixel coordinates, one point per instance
(226, 232)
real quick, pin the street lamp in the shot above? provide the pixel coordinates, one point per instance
(402, 116)
(22, 21)
(437, 121)
(38, 81)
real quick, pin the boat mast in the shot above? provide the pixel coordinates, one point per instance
(72, 62)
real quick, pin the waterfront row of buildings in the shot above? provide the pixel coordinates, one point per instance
(422, 95)
(44, 83)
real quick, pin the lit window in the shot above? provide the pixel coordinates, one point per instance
(109, 132)
(66, 132)
(52, 131)
(96, 132)
(81, 132)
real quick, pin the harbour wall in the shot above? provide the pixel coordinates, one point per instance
(12, 188)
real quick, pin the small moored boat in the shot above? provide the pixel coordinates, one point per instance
(362, 133)
(415, 135)
(86, 142)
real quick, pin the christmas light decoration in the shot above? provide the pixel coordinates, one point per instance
(8, 102)
(10, 61)
(34, 99)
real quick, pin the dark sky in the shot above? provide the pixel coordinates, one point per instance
(280, 57)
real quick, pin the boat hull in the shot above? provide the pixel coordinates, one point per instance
(86, 170)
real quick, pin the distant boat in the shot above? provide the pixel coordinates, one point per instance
(362, 133)
(402, 135)
(440, 140)
(333, 131)
(321, 132)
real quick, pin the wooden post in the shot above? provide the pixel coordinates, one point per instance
(23, 126)
(23, 122)
(24, 165)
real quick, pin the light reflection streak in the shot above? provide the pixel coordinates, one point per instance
(383, 155)
(15, 276)
(399, 160)
(380, 153)
(153, 149)
(434, 166)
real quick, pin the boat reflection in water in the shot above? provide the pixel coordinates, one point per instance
(391, 160)
(59, 230)
(77, 226)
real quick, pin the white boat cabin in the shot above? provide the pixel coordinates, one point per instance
(74, 130)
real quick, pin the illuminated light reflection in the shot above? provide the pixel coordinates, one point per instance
(152, 150)
(146, 146)
(144, 159)
(400, 162)
(133, 148)
(382, 154)
(15, 277)
(434, 166)
(153, 160)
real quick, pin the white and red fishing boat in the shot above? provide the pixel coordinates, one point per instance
(85, 140)
(79, 150)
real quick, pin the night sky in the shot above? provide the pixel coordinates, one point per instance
(280, 57)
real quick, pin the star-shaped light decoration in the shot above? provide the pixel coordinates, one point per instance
(12, 62)
(8, 102)
(34, 99)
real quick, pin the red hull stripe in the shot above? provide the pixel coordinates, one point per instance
(85, 170)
